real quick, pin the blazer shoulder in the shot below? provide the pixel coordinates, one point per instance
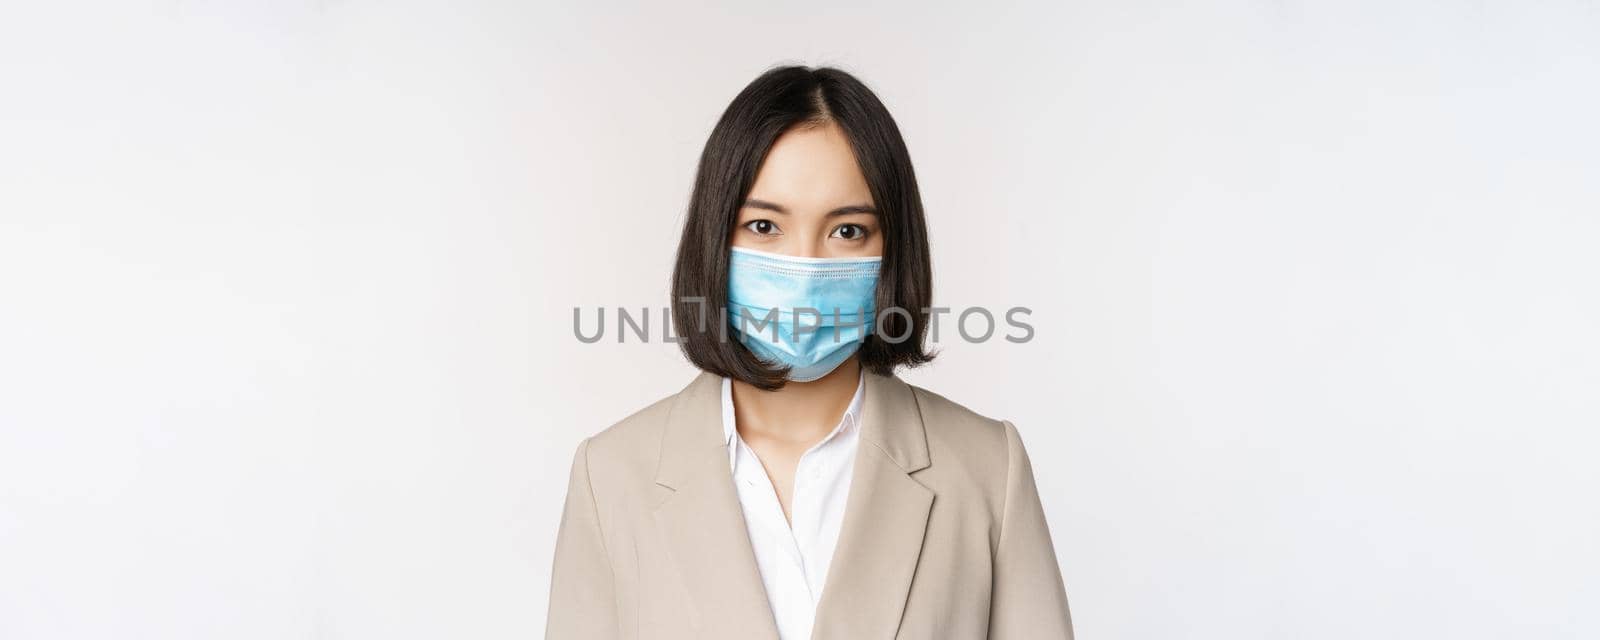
(631, 445)
(957, 431)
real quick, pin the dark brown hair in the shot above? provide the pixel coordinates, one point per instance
(781, 99)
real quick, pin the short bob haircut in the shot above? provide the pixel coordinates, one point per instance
(780, 100)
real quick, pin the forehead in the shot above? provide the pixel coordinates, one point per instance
(811, 168)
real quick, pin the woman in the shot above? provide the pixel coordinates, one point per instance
(797, 489)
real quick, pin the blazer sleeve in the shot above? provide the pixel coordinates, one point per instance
(582, 596)
(1029, 600)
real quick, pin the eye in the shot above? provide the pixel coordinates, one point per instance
(850, 232)
(762, 227)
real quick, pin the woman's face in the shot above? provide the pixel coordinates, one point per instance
(810, 200)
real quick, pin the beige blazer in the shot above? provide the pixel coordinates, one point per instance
(943, 534)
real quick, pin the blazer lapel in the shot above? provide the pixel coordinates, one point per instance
(701, 521)
(885, 518)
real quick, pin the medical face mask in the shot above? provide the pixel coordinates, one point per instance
(808, 314)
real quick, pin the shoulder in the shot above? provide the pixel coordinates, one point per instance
(631, 446)
(981, 446)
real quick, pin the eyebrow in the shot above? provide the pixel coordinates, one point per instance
(841, 211)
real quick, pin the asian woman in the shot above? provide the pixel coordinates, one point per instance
(797, 488)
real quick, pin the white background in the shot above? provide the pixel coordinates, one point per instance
(286, 297)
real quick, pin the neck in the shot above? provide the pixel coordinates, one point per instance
(800, 412)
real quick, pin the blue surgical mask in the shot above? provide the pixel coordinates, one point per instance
(807, 314)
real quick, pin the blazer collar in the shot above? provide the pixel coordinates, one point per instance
(890, 419)
(885, 518)
(880, 539)
(701, 524)
(694, 424)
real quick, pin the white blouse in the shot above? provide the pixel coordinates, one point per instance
(794, 559)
